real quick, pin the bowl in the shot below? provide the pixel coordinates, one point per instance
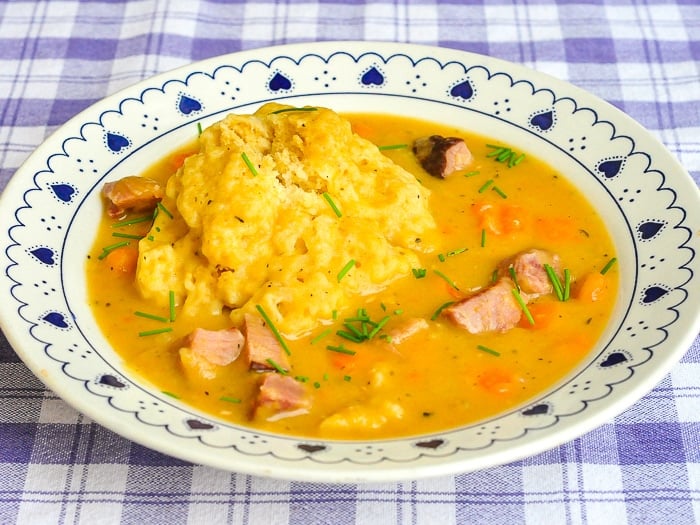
(649, 203)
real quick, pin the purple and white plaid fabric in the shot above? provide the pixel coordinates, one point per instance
(58, 57)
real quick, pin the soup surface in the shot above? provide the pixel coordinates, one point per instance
(378, 356)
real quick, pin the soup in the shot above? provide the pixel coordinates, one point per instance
(387, 350)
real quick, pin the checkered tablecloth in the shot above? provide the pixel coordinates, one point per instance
(58, 57)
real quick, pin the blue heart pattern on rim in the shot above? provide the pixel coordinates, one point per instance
(188, 105)
(463, 90)
(43, 254)
(116, 143)
(279, 82)
(372, 77)
(64, 192)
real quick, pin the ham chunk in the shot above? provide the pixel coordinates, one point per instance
(132, 194)
(442, 156)
(261, 346)
(407, 329)
(529, 271)
(494, 308)
(281, 396)
(207, 351)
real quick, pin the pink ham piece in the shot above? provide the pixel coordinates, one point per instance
(261, 346)
(529, 271)
(206, 351)
(442, 156)
(132, 194)
(281, 396)
(494, 308)
(407, 329)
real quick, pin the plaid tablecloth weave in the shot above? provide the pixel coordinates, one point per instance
(58, 57)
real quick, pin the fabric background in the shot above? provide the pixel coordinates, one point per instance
(58, 57)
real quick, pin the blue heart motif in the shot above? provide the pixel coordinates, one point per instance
(648, 229)
(45, 255)
(311, 448)
(372, 77)
(543, 121)
(537, 410)
(280, 82)
(116, 143)
(653, 293)
(462, 90)
(56, 319)
(110, 380)
(196, 424)
(64, 192)
(610, 168)
(187, 105)
(432, 444)
(614, 359)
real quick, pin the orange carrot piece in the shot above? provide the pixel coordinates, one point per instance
(178, 159)
(122, 260)
(544, 313)
(362, 129)
(593, 287)
(500, 218)
(498, 381)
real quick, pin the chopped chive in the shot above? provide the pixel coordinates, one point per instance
(386, 337)
(447, 279)
(321, 336)
(500, 192)
(609, 265)
(383, 306)
(483, 237)
(488, 350)
(517, 161)
(347, 378)
(441, 256)
(486, 186)
(126, 235)
(150, 238)
(392, 146)
(107, 249)
(523, 306)
(302, 379)
(419, 273)
(497, 151)
(249, 164)
(556, 283)
(514, 278)
(494, 146)
(155, 332)
(437, 312)
(199, 128)
(151, 316)
(325, 376)
(350, 336)
(287, 110)
(165, 210)
(354, 330)
(506, 154)
(472, 173)
(229, 399)
(129, 222)
(379, 326)
(494, 276)
(317, 384)
(171, 304)
(276, 366)
(452, 253)
(345, 269)
(170, 394)
(334, 315)
(276, 332)
(332, 204)
(398, 311)
(567, 284)
(340, 349)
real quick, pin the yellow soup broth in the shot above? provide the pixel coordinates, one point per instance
(442, 376)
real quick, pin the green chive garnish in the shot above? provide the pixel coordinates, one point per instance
(302, 379)
(609, 265)
(556, 283)
(392, 146)
(350, 336)
(170, 394)
(340, 349)
(199, 128)
(107, 249)
(345, 269)
(437, 312)
(287, 110)
(379, 326)
(500, 192)
(523, 306)
(332, 204)
(249, 164)
(151, 316)
(447, 279)
(452, 253)
(506, 154)
(126, 235)
(321, 336)
(486, 186)
(229, 399)
(483, 237)
(488, 350)
(513, 277)
(276, 332)
(517, 161)
(472, 173)
(171, 304)
(165, 210)
(155, 332)
(567, 284)
(129, 222)
(419, 273)
(441, 256)
(276, 366)
(347, 378)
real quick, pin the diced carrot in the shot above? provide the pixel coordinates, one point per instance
(593, 287)
(544, 313)
(499, 381)
(362, 129)
(557, 229)
(499, 218)
(122, 260)
(178, 159)
(453, 293)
